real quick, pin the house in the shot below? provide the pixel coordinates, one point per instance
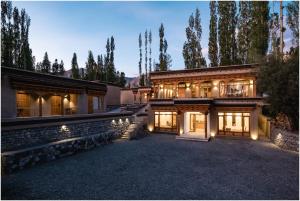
(206, 102)
(31, 94)
(136, 95)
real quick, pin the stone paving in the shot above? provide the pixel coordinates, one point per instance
(160, 167)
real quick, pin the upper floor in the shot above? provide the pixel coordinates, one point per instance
(238, 81)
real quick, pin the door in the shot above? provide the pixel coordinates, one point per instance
(56, 105)
(197, 123)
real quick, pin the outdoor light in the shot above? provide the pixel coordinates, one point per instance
(113, 121)
(181, 131)
(64, 128)
(254, 137)
(150, 128)
(127, 120)
(212, 134)
(120, 121)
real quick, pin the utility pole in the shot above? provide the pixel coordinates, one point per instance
(281, 28)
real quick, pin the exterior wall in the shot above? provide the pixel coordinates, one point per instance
(112, 96)
(8, 99)
(127, 97)
(82, 101)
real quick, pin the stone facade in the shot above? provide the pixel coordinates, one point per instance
(284, 139)
(27, 147)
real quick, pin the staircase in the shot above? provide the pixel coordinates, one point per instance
(133, 129)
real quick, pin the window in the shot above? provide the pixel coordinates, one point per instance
(234, 123)
(165, 120)
(205, 89)
(23, 105)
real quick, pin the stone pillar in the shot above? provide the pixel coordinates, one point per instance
(83, 103)
(8, 99)
(254, 123)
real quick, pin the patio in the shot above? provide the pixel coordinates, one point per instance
(160, 167)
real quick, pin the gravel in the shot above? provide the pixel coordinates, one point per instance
(160, 167)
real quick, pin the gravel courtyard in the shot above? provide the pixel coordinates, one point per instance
(160, 167)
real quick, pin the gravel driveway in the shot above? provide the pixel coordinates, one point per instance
(160, 167)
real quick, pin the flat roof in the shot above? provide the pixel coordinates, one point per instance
(206, 69)
(48, 80)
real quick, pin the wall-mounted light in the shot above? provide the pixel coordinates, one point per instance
(64, 128)
(213, 134)
(120, 121)
(127, 120)
(181, 131)
(254, 137)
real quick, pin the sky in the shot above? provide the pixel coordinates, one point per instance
(64, 27)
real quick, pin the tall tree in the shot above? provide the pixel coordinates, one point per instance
(7, 34)
(163, 46)
(150, 52)
(259, 35)
(140, 61)
(107, 60)
(243, 37)
(213, 35)
(293, 19)
(46, 64)
(16, 36)
(111, 67)
(226, 32)
(274, 28)
(55, 67)
(146, 59)
(192, 51)
(90, 73)
(74, 67)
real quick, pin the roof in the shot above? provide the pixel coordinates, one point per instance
(29, 78)
(215, 68)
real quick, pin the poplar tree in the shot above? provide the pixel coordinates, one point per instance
(150, 52)
(111, 69)
(164, 57)
(226, 32)
(16, 37)
(107, 60)
(74, 67)
(146, 59)
(259, 36)
(140, 61)
(90, 74)
(243, 37)
(213, 35)
(192, 51)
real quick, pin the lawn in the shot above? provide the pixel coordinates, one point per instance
(160, 167)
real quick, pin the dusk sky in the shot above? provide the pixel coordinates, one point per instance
(62, 28)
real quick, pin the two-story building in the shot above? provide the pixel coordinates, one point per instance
(206, 102)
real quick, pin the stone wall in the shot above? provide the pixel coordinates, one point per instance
(284, 139)
(23, 148)
(14, 139)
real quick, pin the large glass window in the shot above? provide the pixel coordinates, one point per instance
(235, 88)
(234, 123)
(23, 104)
(165, 120)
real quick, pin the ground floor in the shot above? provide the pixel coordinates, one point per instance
(204, 121)
(160, 167)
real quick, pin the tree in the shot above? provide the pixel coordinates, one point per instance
(163, 46)
(99, 69)
(142, 80)
(55, 67)
(16, 37)
(243, 37)
(89, 65)
(46, 64)
(293, 19)
(283, 94)
(192, 51)
(274, 28)
(146, 59)
(61, 68)
(122, 79)
(213, 35)
(111, 66)
(259, 36)
(140, 61)
(74, 67)
(226, 32)
(150, 52)
(6, 34)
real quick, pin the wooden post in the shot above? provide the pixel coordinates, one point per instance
(206, 124)
(40, 106)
